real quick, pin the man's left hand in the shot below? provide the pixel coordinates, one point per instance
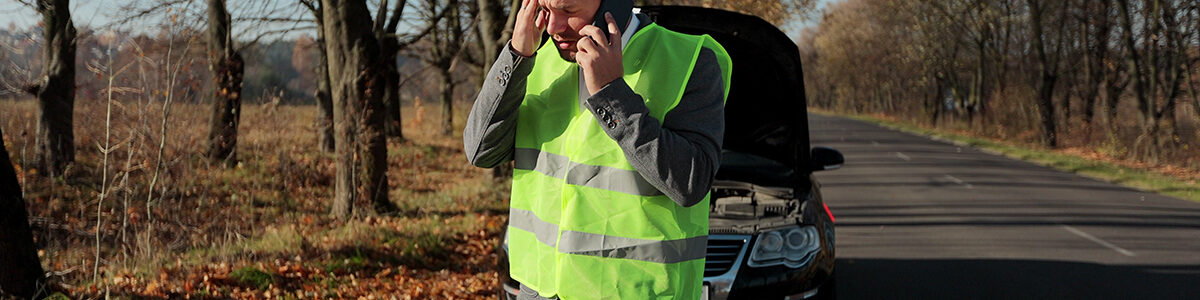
(600, 55)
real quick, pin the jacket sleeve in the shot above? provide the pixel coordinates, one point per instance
(492, 125)
(679, 156)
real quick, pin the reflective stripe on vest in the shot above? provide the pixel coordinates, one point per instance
(584, 224)
(601, 177)
(583, 243)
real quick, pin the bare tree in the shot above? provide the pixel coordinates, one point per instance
(492, 30)
(324, 99)
(1050, 61)
(391, 43)
(1158, 62)
(227, 69)
(445, 48)
(22, 271)
(55, 91)
(361, 150)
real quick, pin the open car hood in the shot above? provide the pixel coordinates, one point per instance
(764, 171)
(766, 112)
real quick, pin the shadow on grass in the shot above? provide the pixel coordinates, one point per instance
(423, 252)
(423, 213)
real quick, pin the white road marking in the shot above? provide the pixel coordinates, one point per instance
(904, 157)
(960, 182)
(1098, 241)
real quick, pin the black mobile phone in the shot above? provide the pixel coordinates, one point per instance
(621, 10)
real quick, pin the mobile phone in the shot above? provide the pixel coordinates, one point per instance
(621, 11)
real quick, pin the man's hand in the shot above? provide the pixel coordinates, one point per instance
(600, 55)
(527, 32)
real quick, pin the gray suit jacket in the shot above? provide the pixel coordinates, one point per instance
(679, 157)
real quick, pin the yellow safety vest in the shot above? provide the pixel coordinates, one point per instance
(583, 223)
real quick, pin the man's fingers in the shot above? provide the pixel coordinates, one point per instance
(530, 5)
(530, 10)
(614, 31)
(596, 34)
(542, 19)
(524, 12)
(586, 44)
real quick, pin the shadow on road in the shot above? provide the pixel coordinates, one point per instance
(1011, 279)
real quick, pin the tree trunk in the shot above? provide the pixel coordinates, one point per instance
(1049, 72)
(389, 48)
(358, 109)
(324, 100)
(1047, 109)
(56, 94)
(227, 67)
(493, 30)
(447, 101)
(1142, 74)
(22, 269)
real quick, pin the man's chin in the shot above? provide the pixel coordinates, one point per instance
(567, 54)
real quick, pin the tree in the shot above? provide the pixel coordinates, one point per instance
(1050, 59)
(227, 70)
(446, 46)
(324, 99)
(1095, 21)
(391, 42)
(1158, 62)
(493, 32)
(361, 151)
(56, 90)
(22, 270)
(309, 55)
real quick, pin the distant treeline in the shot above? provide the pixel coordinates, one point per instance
(274, 72)
(1119, 76)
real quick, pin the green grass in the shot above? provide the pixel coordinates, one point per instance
(252, 276)
(57, 296)
(1140, 179)
(348, 264)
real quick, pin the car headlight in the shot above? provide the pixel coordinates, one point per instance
(791, 246)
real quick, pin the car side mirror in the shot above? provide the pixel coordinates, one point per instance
(825, 158)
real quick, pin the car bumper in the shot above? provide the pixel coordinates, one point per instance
(735, 279)
(741, 281)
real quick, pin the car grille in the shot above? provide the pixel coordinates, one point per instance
(722, 253)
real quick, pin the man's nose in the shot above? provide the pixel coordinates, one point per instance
(557, 25)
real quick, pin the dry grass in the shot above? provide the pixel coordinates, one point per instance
(261, 229)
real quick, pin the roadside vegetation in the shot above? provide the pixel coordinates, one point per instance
(1107, 89)
(261, 229)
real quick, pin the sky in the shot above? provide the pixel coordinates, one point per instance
(99, 13)
(86, 12)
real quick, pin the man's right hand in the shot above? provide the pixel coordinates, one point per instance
(527, 32)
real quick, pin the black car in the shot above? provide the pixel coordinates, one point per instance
(770, 234)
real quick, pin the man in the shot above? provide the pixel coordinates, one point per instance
(615, 139)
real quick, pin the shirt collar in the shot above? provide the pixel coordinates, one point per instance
(629, 30)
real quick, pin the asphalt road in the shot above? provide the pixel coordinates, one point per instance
(922, 219)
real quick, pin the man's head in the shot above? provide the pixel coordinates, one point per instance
(566, 18)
